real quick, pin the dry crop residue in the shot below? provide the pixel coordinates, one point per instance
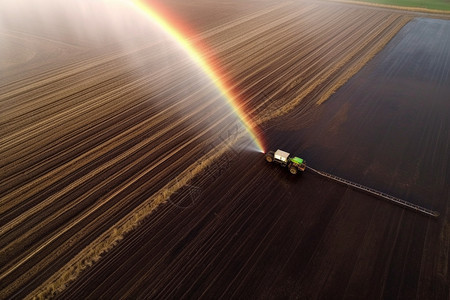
(92, 147)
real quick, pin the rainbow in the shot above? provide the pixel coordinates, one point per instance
(180, 33)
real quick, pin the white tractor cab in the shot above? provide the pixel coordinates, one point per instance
(284, 158)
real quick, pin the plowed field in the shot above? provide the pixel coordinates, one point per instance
(125, 173)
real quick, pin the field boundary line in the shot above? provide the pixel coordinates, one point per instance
(355, 68)
(398, 7)
(315, 82)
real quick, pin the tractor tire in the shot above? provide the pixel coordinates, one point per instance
(269, 158)
(293, 170)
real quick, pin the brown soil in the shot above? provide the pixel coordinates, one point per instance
(126, 174)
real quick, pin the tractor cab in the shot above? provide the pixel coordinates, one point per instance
(281, 157)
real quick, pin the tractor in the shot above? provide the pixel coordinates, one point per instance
(284, 159)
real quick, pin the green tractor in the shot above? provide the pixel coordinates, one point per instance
(283, 158)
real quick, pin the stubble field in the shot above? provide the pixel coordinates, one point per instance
(124, 172)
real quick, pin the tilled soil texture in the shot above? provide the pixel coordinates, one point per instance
(258, 232)
(94, 139)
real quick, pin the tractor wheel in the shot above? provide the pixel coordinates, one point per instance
(269, 158)
(293, 170)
